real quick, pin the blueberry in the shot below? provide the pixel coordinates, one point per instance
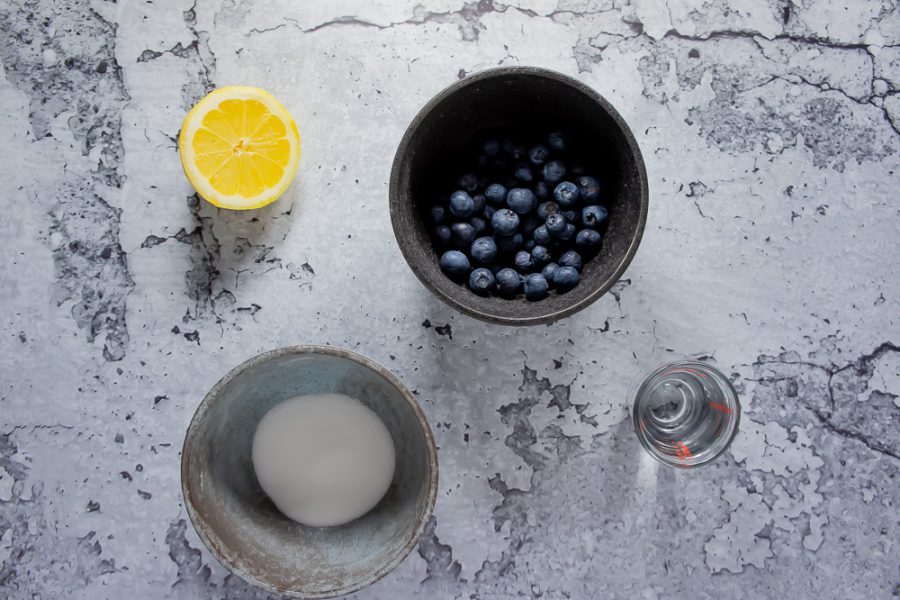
(556, 140)
(589, 188)
(468, 182)
(478, 224)
(566, 194)
(521, 200)
(508, 244)
(463, 234)
(535, 286)
(529, 245)
(442, 234)
(540, 256)
(570, 215)
(566, 278)
(554, 171)
(555, 224)
(505, 222)
(542, 235)
(484, 250)
(549, 271)
(488, 212)
(495, 193)
(461, 204)
(570, 259)
(491, 147)
(545, 209)
(478, 199)
(538, 154)
(437, 214)
(508, 282)
(541, 190)
(481, 281)
(594, 216)
(523, 261)
(567, 235)
(523, 172)
(517, 151)
(455, 263)
(588, 238)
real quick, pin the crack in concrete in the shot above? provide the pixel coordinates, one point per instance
(182, 236)
(179, 50)
(700, 211)
(872, 445)
(753, 34)
(825, 87)
(34, 428)
(467, 19)
(862, 367)
(420, 17)
(205, 254)
(199, 52)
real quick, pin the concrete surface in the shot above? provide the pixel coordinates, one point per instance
(771, 134)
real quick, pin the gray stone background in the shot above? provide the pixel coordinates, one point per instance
(770, 129)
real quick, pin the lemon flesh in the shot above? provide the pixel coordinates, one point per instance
(239, 147)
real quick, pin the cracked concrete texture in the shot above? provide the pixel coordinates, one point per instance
(770, 132)
(63, 60)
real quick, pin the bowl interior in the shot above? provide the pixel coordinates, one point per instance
(528, 102)
(240, 524)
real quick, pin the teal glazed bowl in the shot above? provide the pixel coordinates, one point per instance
(241, 526)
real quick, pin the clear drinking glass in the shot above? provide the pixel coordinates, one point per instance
(685, 413)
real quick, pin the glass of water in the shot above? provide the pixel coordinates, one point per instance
(685, 413)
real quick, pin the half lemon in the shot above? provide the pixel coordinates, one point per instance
(239, 147)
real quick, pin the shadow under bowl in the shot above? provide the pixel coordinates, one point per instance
(529, 102)
(241, 526)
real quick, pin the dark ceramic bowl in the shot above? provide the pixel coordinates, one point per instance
(241, 526)
(531, 101)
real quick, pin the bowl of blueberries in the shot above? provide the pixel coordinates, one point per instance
(518, 195)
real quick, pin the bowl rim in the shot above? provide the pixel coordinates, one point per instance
(201, 527)
(633, 148)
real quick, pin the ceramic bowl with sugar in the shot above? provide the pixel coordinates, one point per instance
(242, 527)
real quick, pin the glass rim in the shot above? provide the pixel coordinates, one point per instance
(721, 445)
